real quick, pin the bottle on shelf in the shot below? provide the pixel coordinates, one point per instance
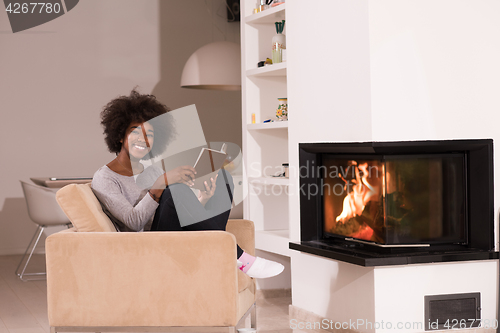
(263, 6)
(278, 42)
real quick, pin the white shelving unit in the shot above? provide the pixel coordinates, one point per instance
(268, 126)
(265, 145)
(269, 70)
(270, 15)
(275, 241)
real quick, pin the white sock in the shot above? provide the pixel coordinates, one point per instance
(263, 268)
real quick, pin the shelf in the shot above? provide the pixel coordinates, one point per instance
(269, 70)
(269, 181)
(268, 126)
(270, 15)
(275, 241)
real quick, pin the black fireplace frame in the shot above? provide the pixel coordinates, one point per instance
(480, 192)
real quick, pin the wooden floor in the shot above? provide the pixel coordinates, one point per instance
(23, 305)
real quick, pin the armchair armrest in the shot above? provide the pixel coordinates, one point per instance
(244, 231)
(142, 279)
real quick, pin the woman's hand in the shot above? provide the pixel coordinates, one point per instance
(204, 196)
(183, 174)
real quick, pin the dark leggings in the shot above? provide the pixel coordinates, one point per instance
(180, 210)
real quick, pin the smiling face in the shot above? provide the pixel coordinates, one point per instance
(138, 140)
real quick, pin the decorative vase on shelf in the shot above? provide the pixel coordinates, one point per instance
(282, 110)
(278, 42)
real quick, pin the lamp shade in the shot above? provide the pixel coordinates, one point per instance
(214, 66)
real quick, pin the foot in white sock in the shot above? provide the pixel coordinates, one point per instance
(263, 268)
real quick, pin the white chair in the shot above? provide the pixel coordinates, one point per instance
(44, 211)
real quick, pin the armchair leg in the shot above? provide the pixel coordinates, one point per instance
(21, 275)
(252, 312)
(253, 317)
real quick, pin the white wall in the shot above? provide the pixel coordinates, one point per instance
(434, 71)
(334, 290)
(390, 70)
(55, 79)
(400, 291)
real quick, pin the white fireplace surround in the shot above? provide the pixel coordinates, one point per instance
(390, 70)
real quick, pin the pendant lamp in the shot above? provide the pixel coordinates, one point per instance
(215, 66)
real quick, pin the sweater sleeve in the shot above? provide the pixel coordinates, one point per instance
(111, 194)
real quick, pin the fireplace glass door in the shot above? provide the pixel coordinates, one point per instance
(395, 199)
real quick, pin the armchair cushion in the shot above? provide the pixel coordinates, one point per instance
(83, 209)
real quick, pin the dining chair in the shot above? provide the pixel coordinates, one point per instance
(44, 211)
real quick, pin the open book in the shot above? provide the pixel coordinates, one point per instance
(208, 164)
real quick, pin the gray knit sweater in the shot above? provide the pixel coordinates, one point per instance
(125, 199)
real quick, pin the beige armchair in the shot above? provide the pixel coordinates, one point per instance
(105, 281)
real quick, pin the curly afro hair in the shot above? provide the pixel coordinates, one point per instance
(122, 111)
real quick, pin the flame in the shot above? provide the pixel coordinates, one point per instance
(362, 191)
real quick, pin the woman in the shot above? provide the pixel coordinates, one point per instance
(169, 204)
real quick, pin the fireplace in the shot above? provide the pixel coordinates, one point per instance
(390, 203)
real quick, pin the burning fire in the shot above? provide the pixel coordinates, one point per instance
(361, 193)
